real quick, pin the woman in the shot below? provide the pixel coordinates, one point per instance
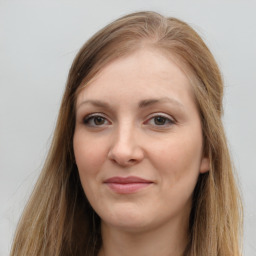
(139, 163)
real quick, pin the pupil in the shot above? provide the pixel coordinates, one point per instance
(98, 120)
(159, 120)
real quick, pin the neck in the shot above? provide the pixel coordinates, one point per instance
(167, 240)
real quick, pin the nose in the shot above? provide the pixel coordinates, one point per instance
(125, 149)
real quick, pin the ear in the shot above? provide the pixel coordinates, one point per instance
(205, 165)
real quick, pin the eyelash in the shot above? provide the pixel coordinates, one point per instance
(167, 120)
(92, 117)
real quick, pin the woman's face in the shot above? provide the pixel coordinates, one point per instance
(138, 142)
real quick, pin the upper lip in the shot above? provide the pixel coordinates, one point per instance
(127, 180)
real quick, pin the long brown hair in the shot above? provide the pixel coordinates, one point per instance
(58, 219)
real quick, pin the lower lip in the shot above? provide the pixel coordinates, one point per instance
(127, 188)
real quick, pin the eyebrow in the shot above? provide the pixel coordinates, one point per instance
(149, 102)
(142, 104)
(96, 103)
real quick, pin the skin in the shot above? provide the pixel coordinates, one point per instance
(149, 127)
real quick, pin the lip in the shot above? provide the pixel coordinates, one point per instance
(127, 185)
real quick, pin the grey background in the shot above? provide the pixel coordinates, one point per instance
(38, 41)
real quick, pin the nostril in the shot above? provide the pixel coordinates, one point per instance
(125, 154)
(124, 162)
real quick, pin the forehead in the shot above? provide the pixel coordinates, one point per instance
(144, 72)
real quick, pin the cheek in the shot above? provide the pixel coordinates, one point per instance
(179, 158)
(177, 163)
(89, 154)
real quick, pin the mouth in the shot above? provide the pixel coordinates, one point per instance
(127, 185)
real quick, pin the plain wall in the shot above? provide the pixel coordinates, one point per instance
(38, 41)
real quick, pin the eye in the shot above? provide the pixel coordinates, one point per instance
(160, 120)
(95, 120)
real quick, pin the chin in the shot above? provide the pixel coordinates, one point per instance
(127, 219)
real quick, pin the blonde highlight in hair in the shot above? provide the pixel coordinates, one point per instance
(58, 219)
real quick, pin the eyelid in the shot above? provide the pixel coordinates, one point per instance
(171, 119)
(162, 115)
(97, 114)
